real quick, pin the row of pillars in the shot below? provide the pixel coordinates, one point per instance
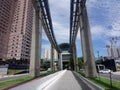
(34, 69)
(87, 47)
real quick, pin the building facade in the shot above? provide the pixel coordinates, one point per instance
(19, 31)
(6, 11)
(113, 52)
(47, 54)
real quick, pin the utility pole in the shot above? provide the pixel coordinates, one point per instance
(98, 54)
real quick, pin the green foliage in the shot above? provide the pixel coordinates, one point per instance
(45, 74)
(14, 82)
(45, 65)
(11, 71)
(64, 46)
(80, 62)
(82, 73)
(71, 64)
(104, 82)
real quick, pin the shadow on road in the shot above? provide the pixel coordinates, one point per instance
(81, 83)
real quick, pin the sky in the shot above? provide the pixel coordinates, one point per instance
(104, 19)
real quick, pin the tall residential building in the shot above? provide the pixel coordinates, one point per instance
(55, 55)
(118, 50)
(113, 52)
(47, 54)
(19, 31)
(6, 12)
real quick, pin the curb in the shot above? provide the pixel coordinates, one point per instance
(90, 84)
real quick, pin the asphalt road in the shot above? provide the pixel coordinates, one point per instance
(114, 77)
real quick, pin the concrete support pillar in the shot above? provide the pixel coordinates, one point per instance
(75, 57)
(87, 47)
(76, 61)
(36, 45)
(52, 59)
(60, 62)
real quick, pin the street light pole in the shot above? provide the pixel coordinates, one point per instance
(98, 54)
(111, 41)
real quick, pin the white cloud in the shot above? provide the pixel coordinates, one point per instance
(97, 32)
(61, 32)
(60, 18)
(104, 19)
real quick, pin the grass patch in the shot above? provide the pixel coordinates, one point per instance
(45, 74)
(14, 82)
(12, 72)
(104, 82)
(82, 73)
(20, 80)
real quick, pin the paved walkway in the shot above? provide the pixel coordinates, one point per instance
(65, 82)
(39, 84)
(62, 80)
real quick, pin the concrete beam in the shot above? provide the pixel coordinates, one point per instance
(87, 47)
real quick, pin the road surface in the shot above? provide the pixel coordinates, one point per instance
(62, 80)
(114, 76)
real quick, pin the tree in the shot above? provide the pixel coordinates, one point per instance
(80, 62)
(71, 64)
(45, 65)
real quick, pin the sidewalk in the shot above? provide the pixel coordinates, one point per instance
(62, 80)
(40, 83)
(66, 82)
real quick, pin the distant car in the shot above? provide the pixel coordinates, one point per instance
(82, 70)
(49, 69)
(105, 71)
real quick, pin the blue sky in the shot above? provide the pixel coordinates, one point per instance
(104, 19)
